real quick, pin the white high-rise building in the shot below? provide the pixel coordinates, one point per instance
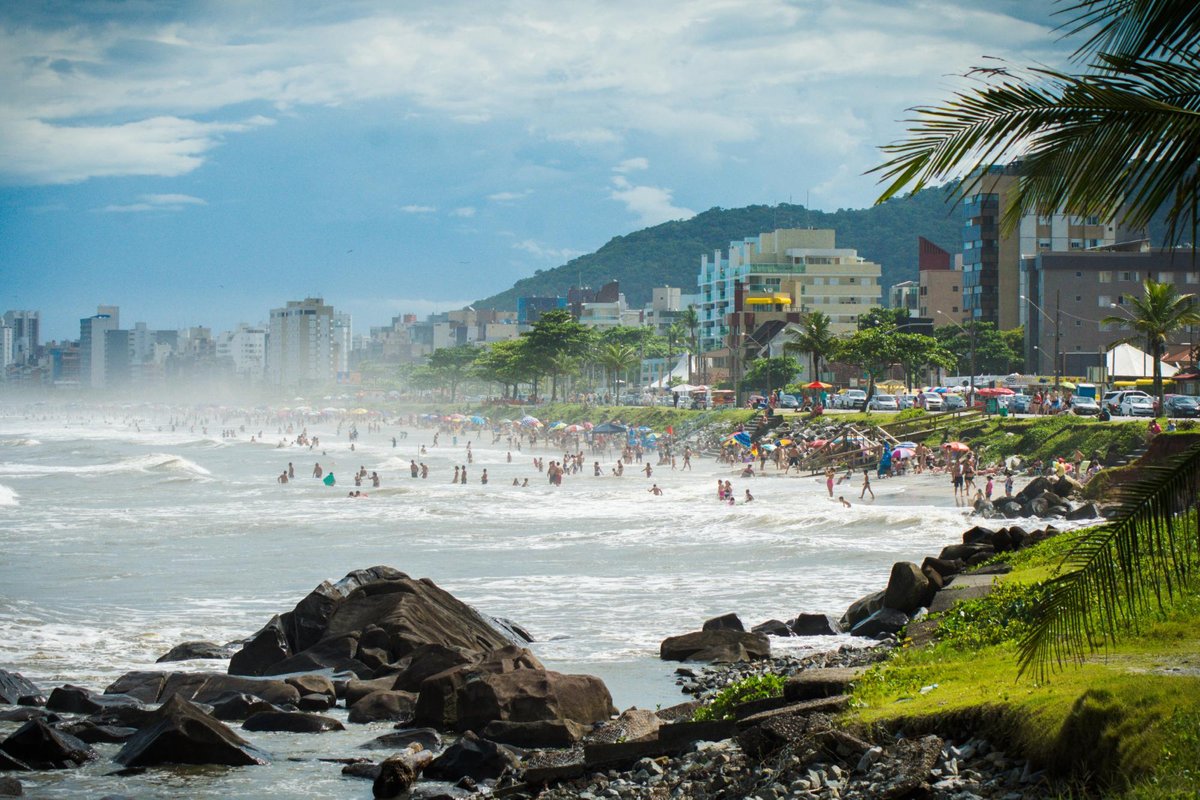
(93, 370)
(301, 348)
(6, 349)
(246, 347)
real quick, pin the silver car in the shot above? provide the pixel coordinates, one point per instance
(884, 402)
(1137, 406)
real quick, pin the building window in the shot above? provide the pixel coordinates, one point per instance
(1129, 276)
(1193, 277)
(1104, 301)
(1166, 277)
(1078, 323)
(954, 288)
(1078, 274)
(1104, 276)
(1078, 298)
(953, 309)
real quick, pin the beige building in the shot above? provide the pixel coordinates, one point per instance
(940, 284)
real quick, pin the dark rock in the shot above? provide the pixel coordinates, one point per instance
(725, 622)
(543, 733)
(427, 738)
(1009, 507)
(439, 701)
(1017, 536)
(263, 650)
(1066, 487)
(935, 580)
(474, 757)
(908, 589)
(10, 787)
(885, 620)
(977, 535)
(947, 568)
(815, 625)
(183, 734)
(430, 659)
(10, 764)
(291, 722)
(773, 627)
(1001, 541)
(715, 645)
(41, 747)
(188, 651)
(514, 632)
(361, 770)
(314, 702)
(1085, 511)
(358, 689)
(91, 733)
(14, 686)
(964, 552)
(313, 684)
(384, 705)
(532, 695)
(26, 713)
(373, 647)
(1035, 488)
(202, 687)
(77, 700)
(909, 765)
(862, 608)
(141, 685)
(234, 706)
(334, 653)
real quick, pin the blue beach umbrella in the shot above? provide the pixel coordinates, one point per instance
(742, 438)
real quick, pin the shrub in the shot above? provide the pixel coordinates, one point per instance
(1002, 616)
(756, 687)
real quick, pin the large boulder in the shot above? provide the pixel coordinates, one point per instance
(533, 695)
(387, 705)
(473, 758)
(530, 735)
(14, 686)
(1066, 487)
(91, 733)
(773, 627)
(882, 622)
(262, 650)
(291, 722)
(10, 787)
(861, 608)
(1086, 511)
(1035, 488)
(188, 651)
(78, 700)
(908, 589)
(202, 687)
(181, 733)
(41, 747)
(725, 622)
(815, 625)
(236, 706)
(430, 659)
(715, 645)
(364, 623)
(438, 703)
(965, 552)
(426, 738)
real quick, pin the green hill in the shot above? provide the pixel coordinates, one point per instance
(669, 254)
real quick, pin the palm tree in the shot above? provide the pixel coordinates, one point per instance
(1123, 134)
(691, 320)
(1156, 315)
(616, 359)
(813, 337)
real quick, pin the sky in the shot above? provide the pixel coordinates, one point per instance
(199, 163)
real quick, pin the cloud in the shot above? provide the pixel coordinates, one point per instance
(465, 212)
(508, 197)
(412, 209)
(547, 253)
(632, 165)
(156, 202)
(651, 204)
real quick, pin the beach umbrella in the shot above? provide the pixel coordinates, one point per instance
(768, 447)
(651, 437)
(360, 412)
(956, 447)
(902, 452)
(644, 429)
(1069, 385)
(587, 426)
(558, 426)
(818, 385)
(818, 443)
(574, 429)
(479, 420)
(528, 420)
(742, 438)
(609, 427)
(941, 390)
(910, 445)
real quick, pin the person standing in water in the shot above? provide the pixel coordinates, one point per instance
(483, 478)
(455, 479)
(829, 476)
(866, 485)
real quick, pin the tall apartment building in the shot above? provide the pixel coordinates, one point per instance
(783, 274)
(6, 350)
(302, 347)
(940, 278)
(905, 294)
(92, 345)
(992, 258)
(245, 347)
(26, 330)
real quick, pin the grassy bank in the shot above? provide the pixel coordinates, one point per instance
(1124, 723)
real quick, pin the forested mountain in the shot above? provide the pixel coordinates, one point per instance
(669, 254)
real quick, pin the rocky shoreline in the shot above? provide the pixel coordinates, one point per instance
(477, 714)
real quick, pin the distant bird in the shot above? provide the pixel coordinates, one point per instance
(351, 250)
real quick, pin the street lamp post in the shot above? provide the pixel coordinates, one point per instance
(971, 337)
(1057, 333)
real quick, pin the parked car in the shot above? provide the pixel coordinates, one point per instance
(930, 401)
(884, 402)
(1019, 404)
(1112, 400)
(1136, 405)
(789, 401)
(907, 400)
(1085, 406)
(1181, 405)
(953, 402)
(852, 399)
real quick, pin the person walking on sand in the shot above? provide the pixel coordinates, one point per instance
(866, 486)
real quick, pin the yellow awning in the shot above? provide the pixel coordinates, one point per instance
(769, 300)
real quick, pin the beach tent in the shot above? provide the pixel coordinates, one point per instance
(1126, 361)
(609, 427)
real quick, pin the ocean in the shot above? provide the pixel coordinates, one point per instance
(120, 537)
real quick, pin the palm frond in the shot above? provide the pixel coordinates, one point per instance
(1144, 556)
(1134, 27)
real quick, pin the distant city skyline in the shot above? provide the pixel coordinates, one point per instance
(202, 163)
